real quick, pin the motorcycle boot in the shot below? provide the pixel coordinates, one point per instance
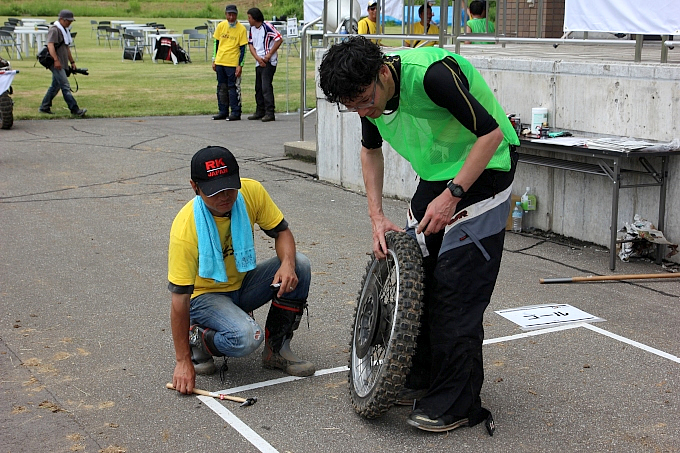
(222, 102)
(201, 340)
(283, 318)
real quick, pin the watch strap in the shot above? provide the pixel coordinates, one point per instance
(455, 189)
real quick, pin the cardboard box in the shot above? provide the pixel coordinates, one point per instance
(514, 199)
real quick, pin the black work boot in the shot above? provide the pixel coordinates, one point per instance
(284, 318)
(203, 349)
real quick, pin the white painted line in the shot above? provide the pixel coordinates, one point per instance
(264, 446)
(644, 347)
(283, 380)
(533, 333)
(236, 423)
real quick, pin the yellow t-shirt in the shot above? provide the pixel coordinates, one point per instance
(367, 27)
(231, 39)
(418, 29)
(183, 249)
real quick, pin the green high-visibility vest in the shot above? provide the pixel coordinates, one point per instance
(427, 135)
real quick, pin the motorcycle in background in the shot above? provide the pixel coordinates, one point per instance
(6, 103)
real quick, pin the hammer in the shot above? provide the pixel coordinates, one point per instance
(223, 396)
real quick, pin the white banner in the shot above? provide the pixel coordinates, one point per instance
(393, 9)
(650, 17)
(6, 78)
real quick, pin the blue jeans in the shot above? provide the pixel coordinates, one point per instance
(226, 78)
(236, 333)
(59, 82)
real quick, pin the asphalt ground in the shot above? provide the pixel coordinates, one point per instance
(85, 347)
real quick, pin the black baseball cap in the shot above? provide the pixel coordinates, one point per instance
(231, 9)
(214, 169)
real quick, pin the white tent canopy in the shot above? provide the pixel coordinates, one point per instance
(393, 8)
(651, 17)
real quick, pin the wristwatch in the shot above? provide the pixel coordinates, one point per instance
(456, 189)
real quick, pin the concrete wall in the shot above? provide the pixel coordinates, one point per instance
(626, 99)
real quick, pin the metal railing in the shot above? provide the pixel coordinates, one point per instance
(303, 75)
(455, 37)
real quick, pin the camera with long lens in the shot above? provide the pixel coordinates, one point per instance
(70, 71)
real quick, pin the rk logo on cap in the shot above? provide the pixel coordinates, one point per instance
(215, 169)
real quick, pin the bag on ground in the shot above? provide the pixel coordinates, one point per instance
(133, 53)
(167, 49)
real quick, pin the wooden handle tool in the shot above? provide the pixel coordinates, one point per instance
(223, 396)
(600, 278)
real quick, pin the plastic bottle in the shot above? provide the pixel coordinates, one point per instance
(528, 201)
(517, 218)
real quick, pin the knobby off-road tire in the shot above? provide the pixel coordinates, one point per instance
(6, 107)
(386, 324)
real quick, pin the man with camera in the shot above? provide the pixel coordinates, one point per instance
(58, 42)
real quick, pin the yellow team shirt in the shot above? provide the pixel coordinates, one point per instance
(230, 41)
(418, 29)
(183, 249)
(367, 27)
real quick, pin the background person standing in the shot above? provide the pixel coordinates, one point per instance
(229, 51)
(58, 41)
(478, 22)
(263, 40)
(368, 25)
(424, 27)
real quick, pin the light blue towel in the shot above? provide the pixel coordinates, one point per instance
(242, 236)
(210, 258)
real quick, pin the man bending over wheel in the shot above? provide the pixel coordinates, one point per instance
(437, 112)
(215, 281)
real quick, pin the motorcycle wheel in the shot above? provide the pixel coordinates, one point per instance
(386, 324)
(6, 107)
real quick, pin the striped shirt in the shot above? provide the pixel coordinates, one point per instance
(263, 38)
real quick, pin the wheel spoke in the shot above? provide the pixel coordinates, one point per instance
(378, 319)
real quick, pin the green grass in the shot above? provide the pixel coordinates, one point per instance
(210, 9)
(118, 88)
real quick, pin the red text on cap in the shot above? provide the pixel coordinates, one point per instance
(214, 164)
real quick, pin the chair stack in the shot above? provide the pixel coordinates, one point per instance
(133, 47)
(210, 28)
(73, 43)
(10, 44)
(8, 40)
(102, 32)
(113, 34)
(196, 40)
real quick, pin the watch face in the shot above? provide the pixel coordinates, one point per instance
(456, 190)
